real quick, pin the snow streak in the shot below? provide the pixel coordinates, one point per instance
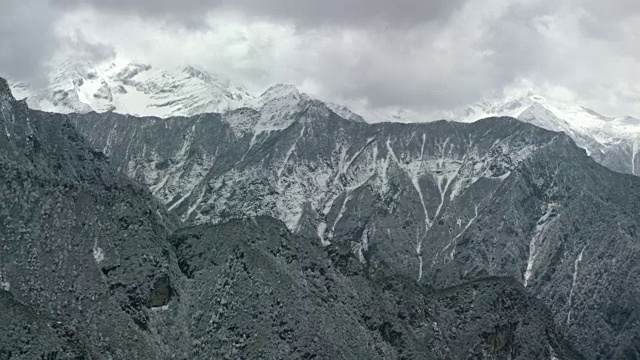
(576, 264)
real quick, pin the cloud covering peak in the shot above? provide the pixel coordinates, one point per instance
(419, 56)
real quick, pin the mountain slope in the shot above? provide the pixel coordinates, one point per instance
(28, 334)
(298, 303)
(80, 242)
(610, 141)
(91, 268)
(78, 85)
(442, 203)
(81, 86)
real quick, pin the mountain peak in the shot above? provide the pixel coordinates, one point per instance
(281, 91)
(206, 76)
(277, 104)
(344, 112)
(628, 120)
(123, 86)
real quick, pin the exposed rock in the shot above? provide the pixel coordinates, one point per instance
(442, 203)
(84, 245)
(272, 294)
(80, 242)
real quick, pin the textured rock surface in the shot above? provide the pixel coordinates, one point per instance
(89, 269)
(613, 142)
(79, 241)
(27, 334)
(441, 203)
(271, 294)
(81, 85)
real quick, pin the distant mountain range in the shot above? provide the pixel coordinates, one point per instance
(613, 142)
(79, 85)
(145, 90)
(93, 267)
(283, 204)
(441, 203)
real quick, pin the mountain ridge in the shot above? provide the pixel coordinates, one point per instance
(610, 141)
(93, 267)
(442, 203)
(144, 90)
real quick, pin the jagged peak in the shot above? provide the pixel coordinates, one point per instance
(344, 112)
(280, 91)
(72, 68)
(73, 63)
(204, 75)
(535, 107)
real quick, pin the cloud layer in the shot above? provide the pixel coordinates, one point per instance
(422, 56)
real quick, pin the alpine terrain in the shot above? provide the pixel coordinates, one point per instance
(94, 267)
(441, 203)
(612, 141)
(318, 180)
(78, 85)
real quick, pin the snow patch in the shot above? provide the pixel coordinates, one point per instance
(362, 247)
(576, 264)
(535, 243)
(322, 227)
(291, 150)
(180, 201)
(634, 153)
(98, 254)
(343, 208)
(452, 243)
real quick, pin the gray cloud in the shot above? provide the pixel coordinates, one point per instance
(303, 13)
(423, 56)
(29, 42)
(400, 13)
(26, 40)
(609, 10)
(79, 46)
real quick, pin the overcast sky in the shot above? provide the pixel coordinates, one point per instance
(419, 55)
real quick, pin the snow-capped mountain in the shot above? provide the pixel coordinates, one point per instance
(614, 142)
(138, 89)
(80, 86)
(344, 112)
(92, 266)
(441, 203)
(145, 90)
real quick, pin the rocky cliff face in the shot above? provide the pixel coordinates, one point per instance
(442, 203)
(92, 267)
(611, 141)
(272, 294)
(80, 242)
